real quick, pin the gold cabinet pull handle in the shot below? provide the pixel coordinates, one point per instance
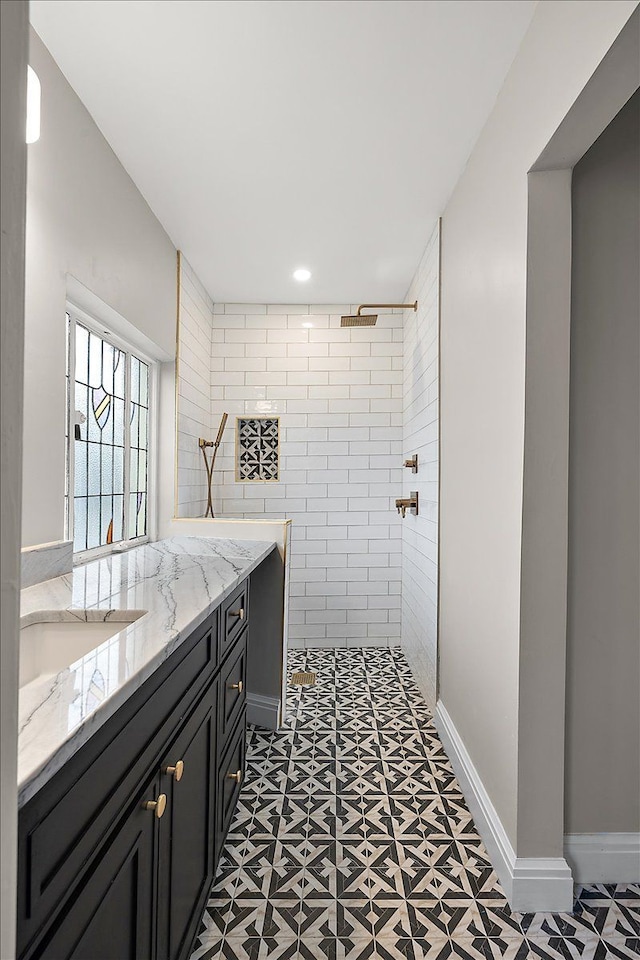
(158, 806)
(237, 613)
(237, 686)
(235, 776)
(177, 771)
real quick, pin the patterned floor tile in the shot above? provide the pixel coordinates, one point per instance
(470, 948)
(622, 949)
(352, 840)
(559, 948)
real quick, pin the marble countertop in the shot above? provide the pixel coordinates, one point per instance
(176, 582)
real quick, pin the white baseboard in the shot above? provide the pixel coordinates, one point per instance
(263, 711)
(604, 857)
(530, 884)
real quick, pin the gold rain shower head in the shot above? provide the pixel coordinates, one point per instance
(369, 319)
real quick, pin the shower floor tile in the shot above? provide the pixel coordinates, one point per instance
(352, 841)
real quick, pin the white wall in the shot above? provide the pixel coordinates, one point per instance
(194, 391)
(484, 260)
(338, 392)
(85, 218)
(420, 436)
(13, 63)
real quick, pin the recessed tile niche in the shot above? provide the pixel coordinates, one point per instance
(257, 449)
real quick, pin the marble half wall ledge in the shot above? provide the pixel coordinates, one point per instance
(45, 561)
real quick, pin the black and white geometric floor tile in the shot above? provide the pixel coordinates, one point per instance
(353, 841)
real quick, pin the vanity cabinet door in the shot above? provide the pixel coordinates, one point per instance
(112, 914)
(187, 829)
(233, 691)
(230, 777)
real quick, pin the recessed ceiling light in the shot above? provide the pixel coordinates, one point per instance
(302, 274)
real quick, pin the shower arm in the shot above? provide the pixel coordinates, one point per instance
(389, 306)
(203, 444)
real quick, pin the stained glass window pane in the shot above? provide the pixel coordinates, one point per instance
(133, 514)
(94, 478)
(80, 523)
(118, 518)
(109, 456)
(95, 361)
(142, 471)
(119, 375)
(106, 483)
(81, 408)
(106, 519)
(135, 380)
(144, 435)
(118, 470)
(133, 471)
(93, 522)
(144, 384)
(142, 515)
(92, 429)
(82, 354)
(80, 472)
(135, 424)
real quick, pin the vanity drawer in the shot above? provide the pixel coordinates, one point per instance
(230, 777)
(233, 690)
(61, 827)
(235, 616)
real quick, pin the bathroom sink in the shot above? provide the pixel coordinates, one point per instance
(48, 644)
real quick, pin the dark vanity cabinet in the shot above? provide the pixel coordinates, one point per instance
(117, 851)
(186, 830)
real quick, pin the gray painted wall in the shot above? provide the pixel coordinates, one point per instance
(482, 389)
(85, 219)
(13, 59)
(603, 647)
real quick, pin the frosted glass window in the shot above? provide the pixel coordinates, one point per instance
(108, 390)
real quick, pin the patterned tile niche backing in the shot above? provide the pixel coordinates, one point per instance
(257, 448)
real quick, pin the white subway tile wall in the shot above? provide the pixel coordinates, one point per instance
(420, 436)
(194, 391)
(339, 395)
(353, 404)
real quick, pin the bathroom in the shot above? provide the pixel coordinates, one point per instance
(386, 536)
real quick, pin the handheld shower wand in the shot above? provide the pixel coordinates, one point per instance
(203, 444)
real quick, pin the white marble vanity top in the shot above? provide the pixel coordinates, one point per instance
(178, 582)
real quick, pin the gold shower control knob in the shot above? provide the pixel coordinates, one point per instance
(236, 686)
(237, 613)
(235, 776)
(177, 771)
(158, 806)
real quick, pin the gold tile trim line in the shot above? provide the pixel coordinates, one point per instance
(439, 552)
(177, 381)
(304, 678)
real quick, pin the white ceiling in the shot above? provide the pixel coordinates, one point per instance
(272, 134)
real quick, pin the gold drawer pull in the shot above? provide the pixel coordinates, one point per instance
(235, 776)
(237, 613)
(177, 771)
(159, 805)
(236, 686)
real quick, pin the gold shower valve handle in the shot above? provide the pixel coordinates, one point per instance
(407, 503)
(158, 806)
(176, 771)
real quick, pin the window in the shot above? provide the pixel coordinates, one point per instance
(108, 397)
